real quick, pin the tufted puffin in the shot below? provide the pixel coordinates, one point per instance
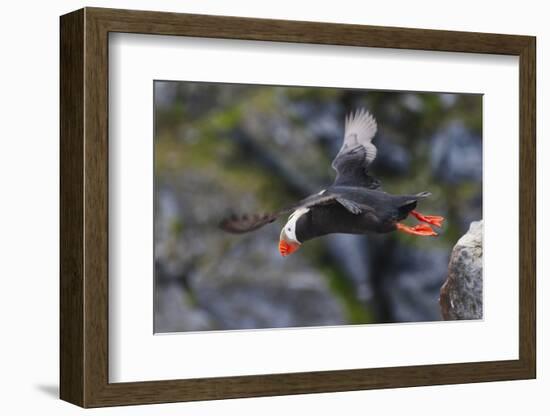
(353, 204)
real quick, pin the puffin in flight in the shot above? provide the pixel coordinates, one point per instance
(353, 204)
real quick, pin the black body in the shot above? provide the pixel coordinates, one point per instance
(380, 213)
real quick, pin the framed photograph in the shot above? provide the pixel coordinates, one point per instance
(255, 207)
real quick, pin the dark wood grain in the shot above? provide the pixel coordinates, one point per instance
(227, 27)
(527, 208)
(96, 219)
(84, 207)
(71, 100)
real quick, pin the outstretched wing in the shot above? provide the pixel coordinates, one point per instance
(238, 224)
(357, 152)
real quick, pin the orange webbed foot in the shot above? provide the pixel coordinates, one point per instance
(420, 229)
(429, 219)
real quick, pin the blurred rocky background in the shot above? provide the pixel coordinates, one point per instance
(223, 148)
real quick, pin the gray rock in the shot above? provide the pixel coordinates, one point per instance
(462, 293)
(177, 312)
(410, 285)
(456, 154)
(392, 158)
(351, 253)
(252, 286)
(412, 102)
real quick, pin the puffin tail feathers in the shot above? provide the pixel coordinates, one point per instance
(408, 203)
(423, 195)
(412, 199)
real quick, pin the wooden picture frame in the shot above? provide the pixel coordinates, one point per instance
(84, 207)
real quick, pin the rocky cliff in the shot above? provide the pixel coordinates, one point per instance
(462, 293)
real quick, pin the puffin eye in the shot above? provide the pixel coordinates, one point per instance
(288, 228)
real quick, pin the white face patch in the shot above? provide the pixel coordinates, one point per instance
(289, 230)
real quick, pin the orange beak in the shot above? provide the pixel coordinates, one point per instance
(286, 248)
